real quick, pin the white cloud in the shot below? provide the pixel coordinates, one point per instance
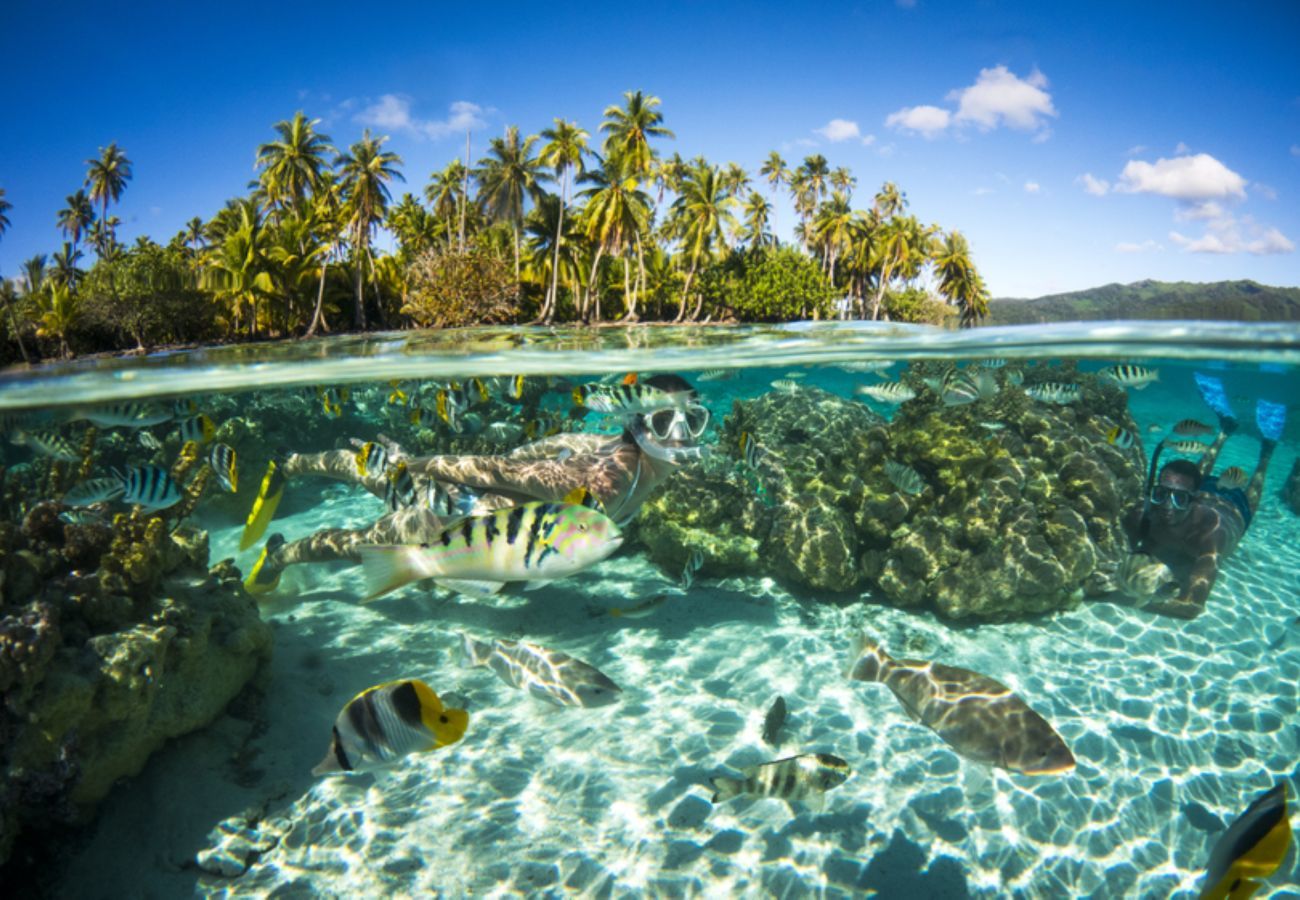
(1267, 191)
(1144, 247)
(1187, 178)
(1295, 149)
(1032, 187)
(1182, 149)
(982, 191)
(868, 140)
(1093, 185)
(1228, 234)
(392, 112)
(837, 130)
(1136, 150)
(999, 97)
(1207, 210)
(927, 121)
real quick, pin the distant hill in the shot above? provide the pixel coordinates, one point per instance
(1231, 301)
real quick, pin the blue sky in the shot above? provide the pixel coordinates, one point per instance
(1073, 146)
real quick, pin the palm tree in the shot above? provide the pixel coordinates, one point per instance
(413, 226)
(903, 247)
(365, 171)
(107, 178)
(446, 194)
(65, 265)
(863, 255)
(735, 178)
(555, 249)
(615, 212)
(842, 180)
(890, 201)
(508, 173)
(194, 234)
(565, 145)
(959, 283)
(237, 268)
(699, 216)
(58, 313)
(75, 218)
(775, 171)
(757, 217)
(832, 229)
(5, 206)
(33, 277)
(630, 129)
(5, 286)
(816, 172)
(294, 165)
(329, 215)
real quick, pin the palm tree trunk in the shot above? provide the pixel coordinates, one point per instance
(553, 295)
(464, 194)
(316, 318)
(880, 293)
(593, 286)
(686, 289)
(359, 315)
(13, 323)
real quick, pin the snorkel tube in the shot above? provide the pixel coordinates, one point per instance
(1144, 523)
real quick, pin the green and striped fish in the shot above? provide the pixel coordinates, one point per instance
(222, 460)
(535, 542)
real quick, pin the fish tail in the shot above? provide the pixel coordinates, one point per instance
(476, 652)
(869, 660)
(388, 567)
(725, 788)
(264, 506)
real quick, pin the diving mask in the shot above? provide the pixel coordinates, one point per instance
(671, 434)
(1177, 498)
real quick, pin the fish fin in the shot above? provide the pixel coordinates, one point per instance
(537, 584)
(476, 652)
(725, 788)
(391, 566)
(328, 765)
(475, 588)
(264, 506)
(869, 659)
(262, 580)
(816, 801)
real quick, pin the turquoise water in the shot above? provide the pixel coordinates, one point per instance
(1175, 725)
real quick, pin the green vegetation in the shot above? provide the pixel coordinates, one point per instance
(543, 228)
(1229, 301)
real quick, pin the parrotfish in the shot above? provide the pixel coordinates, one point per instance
(549, 675)
(805, 778)
(386, 722)
(977, 716)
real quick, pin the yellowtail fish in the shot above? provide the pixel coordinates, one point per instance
(199, 429)
(399, 492)
(1193, 428)
(150, 487)
(372, 457)
(48, 443)
(1187, 448)
(222, 460)
(1252, 848)
(641, 610)
(94, 490)
(332, 399)
(750, 452)
(535, 542)
(978, 717)
(785, 385)
(773, 721)
(384, 723)
(1130, 375)
(887, 392)
(397, 396)
(805, 778)
(904, 477)
(148, 441)
(1120, 437)
(627, 398)
(1058, 392)
(547, 674)
(1232, 478)
(694, 562)
(124, 415)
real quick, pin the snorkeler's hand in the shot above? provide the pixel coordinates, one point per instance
(395, 452)
(1144, 577)
(1178, 607)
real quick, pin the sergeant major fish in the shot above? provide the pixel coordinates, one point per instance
(1057, 392)
(94, 490)
(904, 477)
(48, 443)
(888, 392)
(1233, 477)
(1130, 375)
(129, 414)
(978, 717)
(627, 398)
(150, 487)
(546, 674)
(805, 778)
(388, 721)
(534, 542)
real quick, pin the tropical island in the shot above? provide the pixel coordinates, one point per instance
(556, 227)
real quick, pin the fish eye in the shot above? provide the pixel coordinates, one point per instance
(442, 719)
(582, 527)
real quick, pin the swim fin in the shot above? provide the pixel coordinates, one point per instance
(1270, 417)
(268, 498)
(1216, 398)
(261, 580)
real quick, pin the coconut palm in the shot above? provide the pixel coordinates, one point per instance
(862, 255)
(816, 173)
(59, 312)
(194, 236)
(556, 248)
(832, 229)
(330, 217)
(890, 201)
(775, 171)
(294, 165)
(699, 216)
(508, 175)
(10, 296)
(615, 211)
(65, 265)
(735, 179)
(757, 215)
(959, 283)
(630, 129)
(446, 195)
(842, 180)
(76, 217)
(904, 246)
(565, 145)
(107, 178)
(5, 206)
(237, 269)
(364, 173)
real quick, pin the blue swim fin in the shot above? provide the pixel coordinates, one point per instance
(1214, 396)
(1270, 417)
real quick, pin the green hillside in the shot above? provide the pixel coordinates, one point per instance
(1234, 301)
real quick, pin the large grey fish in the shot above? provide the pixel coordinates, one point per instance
(547, 674)
(978, 717)
(805, 778)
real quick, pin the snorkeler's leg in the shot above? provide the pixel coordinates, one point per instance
(1206, 464)
(341, 465)
(1255, 490)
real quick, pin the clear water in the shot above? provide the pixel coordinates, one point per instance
(1176, 726)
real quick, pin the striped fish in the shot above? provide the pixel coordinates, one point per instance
(904, 477)
(48, 443)
(222, 460)
(786, 385)
(150, 487)
(372, 457)
(866, 365)
(446, 503)
(199, 429)
(399, 492)
(1130, 375)
(332, 399)
(397, 396)
(422, 417)
(717, 375)
(968, 386)
(94, 490)
(750, 452)
(388, 721)
(995, 363)
(1058, 392)
(148, 441)
(1014, 377)
(1233, 477)
(626, 398)
(546, 674)
(1120, 437)
(887, 392)
(534, 542)
(125, 415)
(1187, 448)
(1193, 428)
(694, 563)
(806, 778)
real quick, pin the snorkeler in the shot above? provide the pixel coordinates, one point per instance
(1190, 520)
(619, 473)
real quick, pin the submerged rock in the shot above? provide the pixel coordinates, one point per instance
(1291, 490)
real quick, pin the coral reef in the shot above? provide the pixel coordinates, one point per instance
(114, 638)
(1017, 513)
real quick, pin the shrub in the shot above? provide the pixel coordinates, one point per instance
(450, 288)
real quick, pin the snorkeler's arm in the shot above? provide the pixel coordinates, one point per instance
(525, 480)
(1190, 601)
